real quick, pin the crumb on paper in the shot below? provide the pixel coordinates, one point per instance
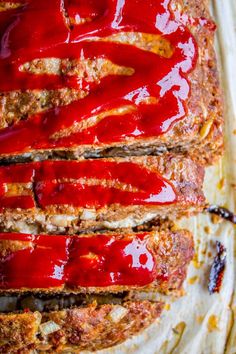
(196, 263)
(212, 323)
(216, 219)
(193, 280)
(207, 230)
(167, 307)
(199, 319)
(221, 183)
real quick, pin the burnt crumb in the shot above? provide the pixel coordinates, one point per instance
(217, 269)
(222, 212)
(156, 224)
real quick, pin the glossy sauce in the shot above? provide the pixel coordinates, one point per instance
(39, 29)
(40, 266)
(105, 261)
(92, 183)
(72, 262)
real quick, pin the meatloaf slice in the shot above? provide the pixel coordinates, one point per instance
(95, 86)
(92, 327)
(73, 196)
(113, 262)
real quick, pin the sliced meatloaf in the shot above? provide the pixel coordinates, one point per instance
(73, 196)
(98, 84)
(89, 327)
(113, 262)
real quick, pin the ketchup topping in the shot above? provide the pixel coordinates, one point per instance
(82, 261)
(87, 183)
(103, 261)
(39, 264)
(77, 29)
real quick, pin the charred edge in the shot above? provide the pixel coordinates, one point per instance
(217, 269)
(35, 195)
(13, 302)
(222, 212)
(87, 154)
(156, 224)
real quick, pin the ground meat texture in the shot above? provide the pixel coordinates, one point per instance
(89, 328)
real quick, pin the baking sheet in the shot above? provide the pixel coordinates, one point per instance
(199, 323)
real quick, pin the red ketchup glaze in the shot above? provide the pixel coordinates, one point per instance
(104, 261)
(12, 202)
(22, 174)
(39, 30)
(39, 265)
(92, 183)
(81, 261)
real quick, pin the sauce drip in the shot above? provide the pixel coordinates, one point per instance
(76, 30)
(82, 261)
(92, 183)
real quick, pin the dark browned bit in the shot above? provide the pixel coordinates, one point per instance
(222, 212)
(217, 269)
(14, 302)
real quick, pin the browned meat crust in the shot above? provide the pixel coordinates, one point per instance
(203, 128)
(90, 328)
(17, 331)
(172, 252)
(199, 134)
(182, 173)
